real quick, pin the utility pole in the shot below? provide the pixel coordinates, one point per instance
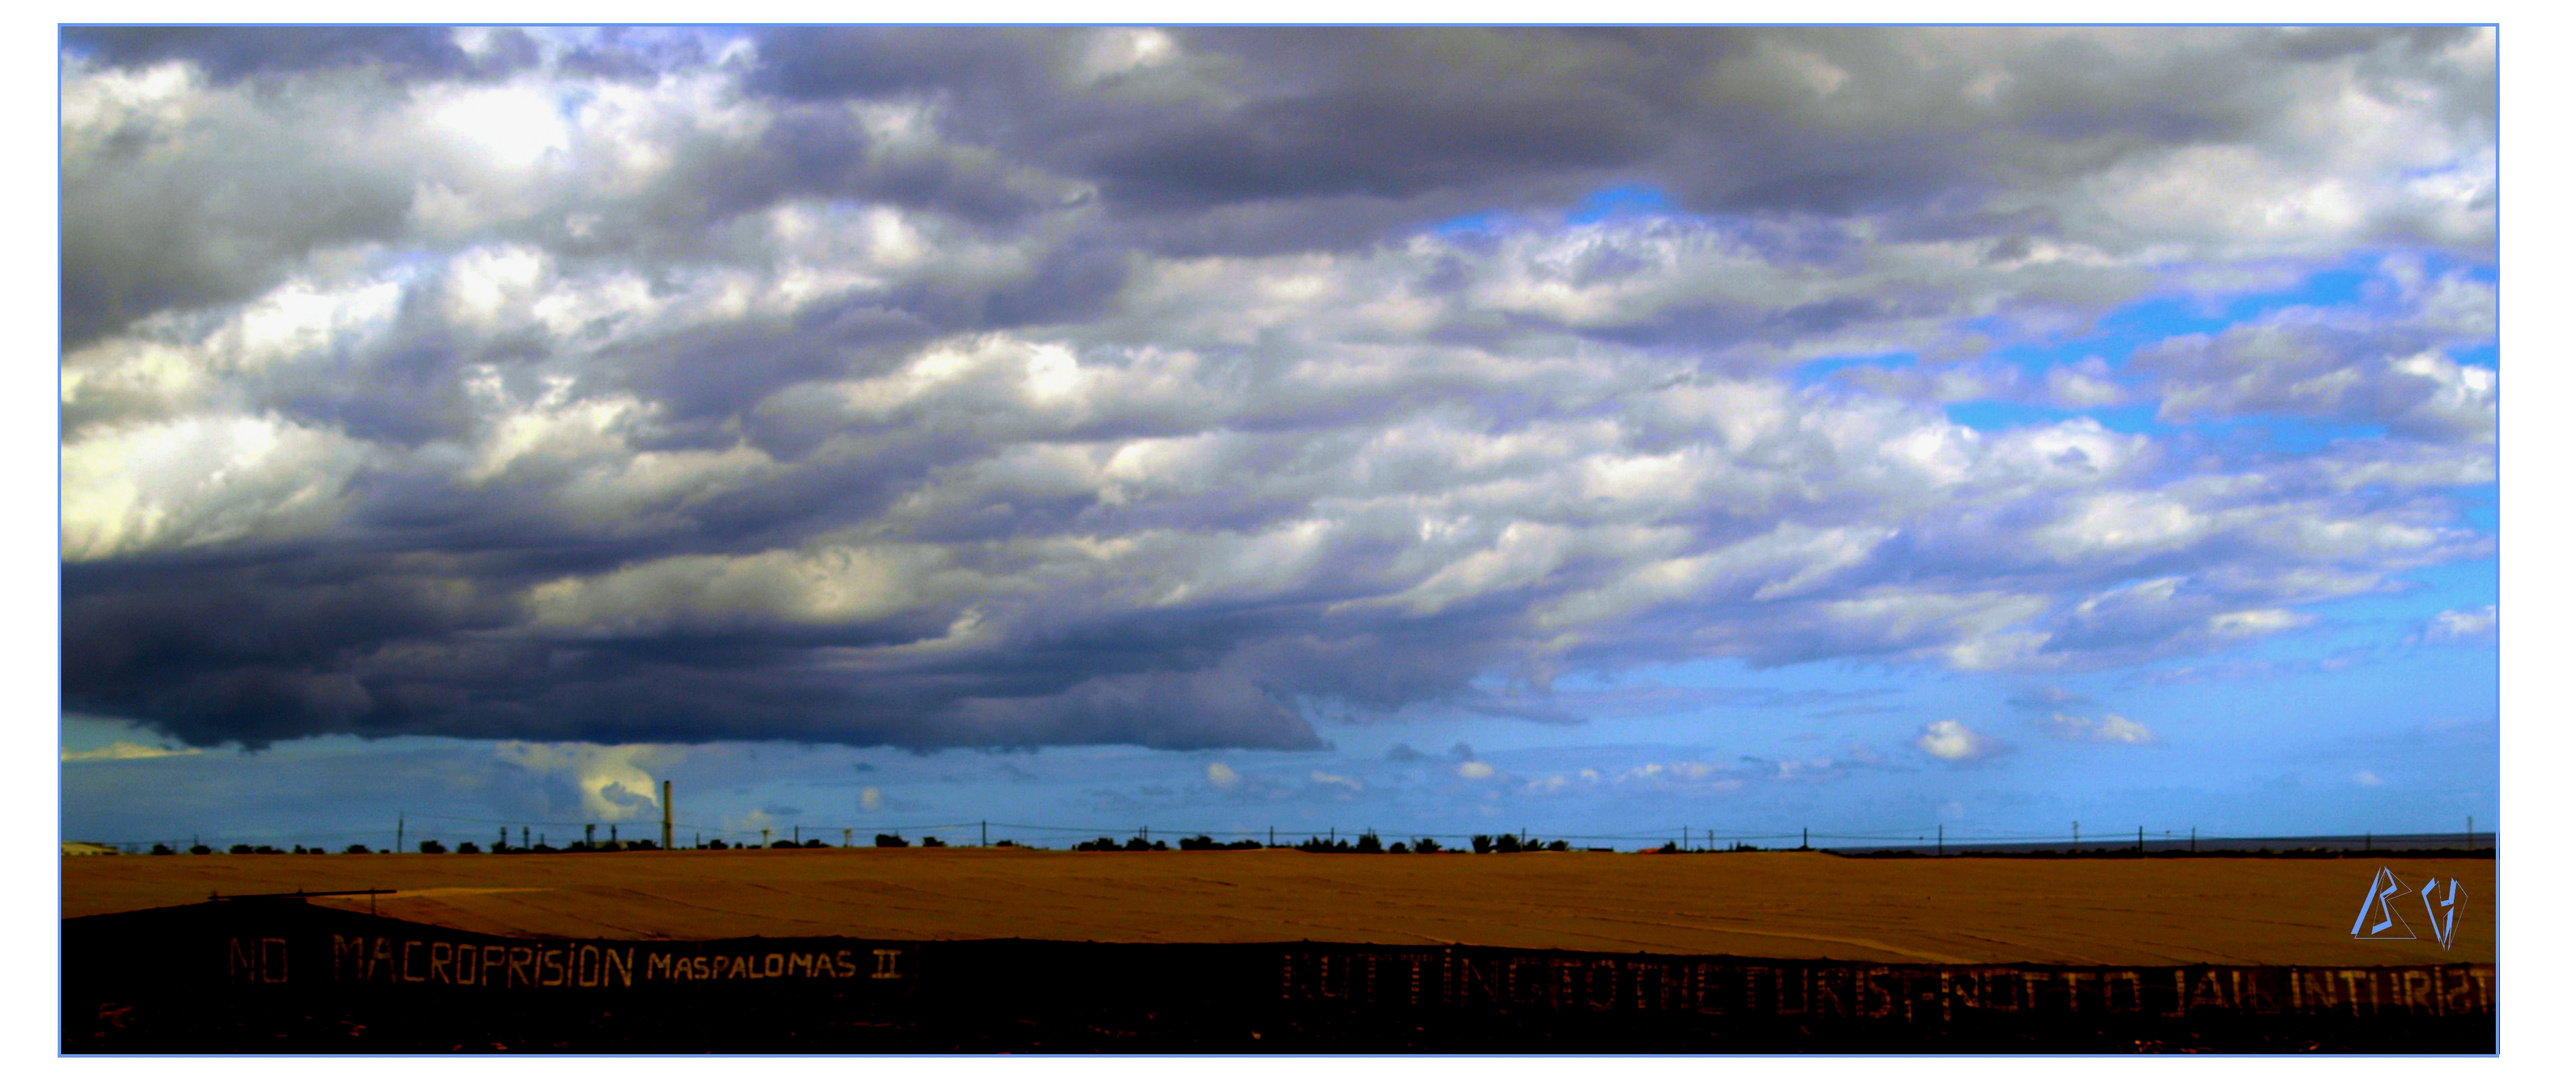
(2076, 836)
(795, 836)
(982, 833)
(2138, 839)
(400, 835)
(1685, 838)
(849, 838)
(1942, 840)
(2191, 839)
(1271, 837)
(615, 834)
(1808, 841)
(591, 836)
(666, 815)
(769, 837)
(1711, 839)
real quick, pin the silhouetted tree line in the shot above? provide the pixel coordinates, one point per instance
(1136, 843)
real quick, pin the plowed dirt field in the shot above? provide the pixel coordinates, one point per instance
(1769, 904)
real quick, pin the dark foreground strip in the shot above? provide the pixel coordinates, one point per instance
(285, 977)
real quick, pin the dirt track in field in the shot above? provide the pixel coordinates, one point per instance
(1772, 904)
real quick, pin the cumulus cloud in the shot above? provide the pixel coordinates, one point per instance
(2475, 626)
(1951, 740)
(614, 782)
(1221, 776)
(956, 387)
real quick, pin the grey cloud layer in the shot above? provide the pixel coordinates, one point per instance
(976, 387)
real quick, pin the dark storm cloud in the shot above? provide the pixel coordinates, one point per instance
(230, 53)
(1008, 388)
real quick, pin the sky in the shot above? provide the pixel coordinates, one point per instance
(1596, 433)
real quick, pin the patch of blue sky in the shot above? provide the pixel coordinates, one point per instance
(1614, 203)
(1997, 415)
(1622, 201)
(2358, 281)
(2480, 506)
(1489, 221)
(2469, 583)
(1814, 371)
(2483, 355)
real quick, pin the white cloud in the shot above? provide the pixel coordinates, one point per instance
(1222, 776)
(1950, 740)
(202, 481)
(2479, 624)
(614, 782)
(1475, 770)
(2108, 728)
(1322, 777)
(2366, 778)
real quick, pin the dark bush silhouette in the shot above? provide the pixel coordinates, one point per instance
(163, 849)
(1555, 845)
(1506, 844)
(1203, 842)
(886, 840)
(809, 843)
(652, 845)
(718, 845)
(1481, 843)
(1099, 843)
(1397, 848)
(467, 848)
(358, 849)
(785, 844)
(431, 847)
(931, 842)
(316, 850)
(1005, 843)
(1368, 845)
(1426, 846)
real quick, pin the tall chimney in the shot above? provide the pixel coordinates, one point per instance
(666, 815)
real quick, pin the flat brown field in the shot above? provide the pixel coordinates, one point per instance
(1957, 910)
